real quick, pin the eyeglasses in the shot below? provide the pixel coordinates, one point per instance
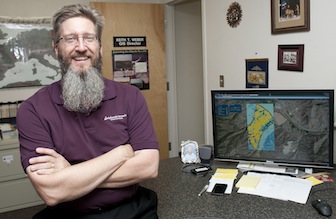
(72, 39)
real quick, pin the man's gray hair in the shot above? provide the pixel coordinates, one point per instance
(77, 10)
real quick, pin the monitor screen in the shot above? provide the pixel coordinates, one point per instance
(283, 127)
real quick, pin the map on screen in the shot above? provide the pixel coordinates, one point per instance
(277, 128)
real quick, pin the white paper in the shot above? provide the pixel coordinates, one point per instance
(281, 187)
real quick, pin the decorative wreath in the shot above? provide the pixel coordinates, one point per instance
(234, 14)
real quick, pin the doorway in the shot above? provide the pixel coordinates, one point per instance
(185, 73)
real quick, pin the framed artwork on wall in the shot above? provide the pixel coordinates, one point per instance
(27, 57)
(256, 73)
(289, 16)
(290, 57)
(131, 67)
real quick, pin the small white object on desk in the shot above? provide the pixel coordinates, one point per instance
(203, 190)
(309, 170)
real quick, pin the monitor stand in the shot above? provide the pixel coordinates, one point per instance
(268, 168)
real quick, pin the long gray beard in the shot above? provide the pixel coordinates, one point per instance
(82, 91)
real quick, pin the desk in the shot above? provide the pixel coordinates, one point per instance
(177, 194)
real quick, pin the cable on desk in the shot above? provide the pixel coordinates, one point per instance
(186, 168)
(322, 190)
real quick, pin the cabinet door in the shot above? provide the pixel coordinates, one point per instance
(10, 164)
(15, 188)
(130, 19)
(17, 194)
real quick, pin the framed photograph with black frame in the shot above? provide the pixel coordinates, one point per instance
(290, 57)
(256, 73)
(289, 16)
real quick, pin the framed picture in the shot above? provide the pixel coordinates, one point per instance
(256, 73)
(290, 57)
(27, 57)
(190, 152)
(131, 67)
(289, 16)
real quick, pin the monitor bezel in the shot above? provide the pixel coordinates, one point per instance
(329, 165)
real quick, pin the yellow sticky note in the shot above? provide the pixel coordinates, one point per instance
(224, 176)
(222, 170)
(248, 182)
(314, 180)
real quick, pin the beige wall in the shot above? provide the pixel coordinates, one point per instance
(189, 71)
(225, 48)
(32, 8)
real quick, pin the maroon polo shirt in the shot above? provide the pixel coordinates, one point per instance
(122, 118)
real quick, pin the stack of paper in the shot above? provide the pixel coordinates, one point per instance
(226, 176)
(248, 182)
(280, 187)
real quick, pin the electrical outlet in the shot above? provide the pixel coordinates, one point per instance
(221, 80)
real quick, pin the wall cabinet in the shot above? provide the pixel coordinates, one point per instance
(15, 188)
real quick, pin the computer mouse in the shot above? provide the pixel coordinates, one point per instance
(322, 207)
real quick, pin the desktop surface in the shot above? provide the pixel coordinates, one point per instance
(178, 197)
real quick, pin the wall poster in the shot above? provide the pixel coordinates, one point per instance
(26, 54)
(131, 67)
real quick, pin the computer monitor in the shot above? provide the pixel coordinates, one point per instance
(280, 127)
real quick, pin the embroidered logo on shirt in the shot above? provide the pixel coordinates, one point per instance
(116, 117)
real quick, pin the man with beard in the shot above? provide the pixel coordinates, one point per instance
(87, 142)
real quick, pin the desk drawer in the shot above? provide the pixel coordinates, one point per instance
(10, 164)
(18, 194)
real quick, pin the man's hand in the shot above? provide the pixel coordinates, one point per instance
(50, 162)
(56, 180)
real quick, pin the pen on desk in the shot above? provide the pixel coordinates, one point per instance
(203, 190)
